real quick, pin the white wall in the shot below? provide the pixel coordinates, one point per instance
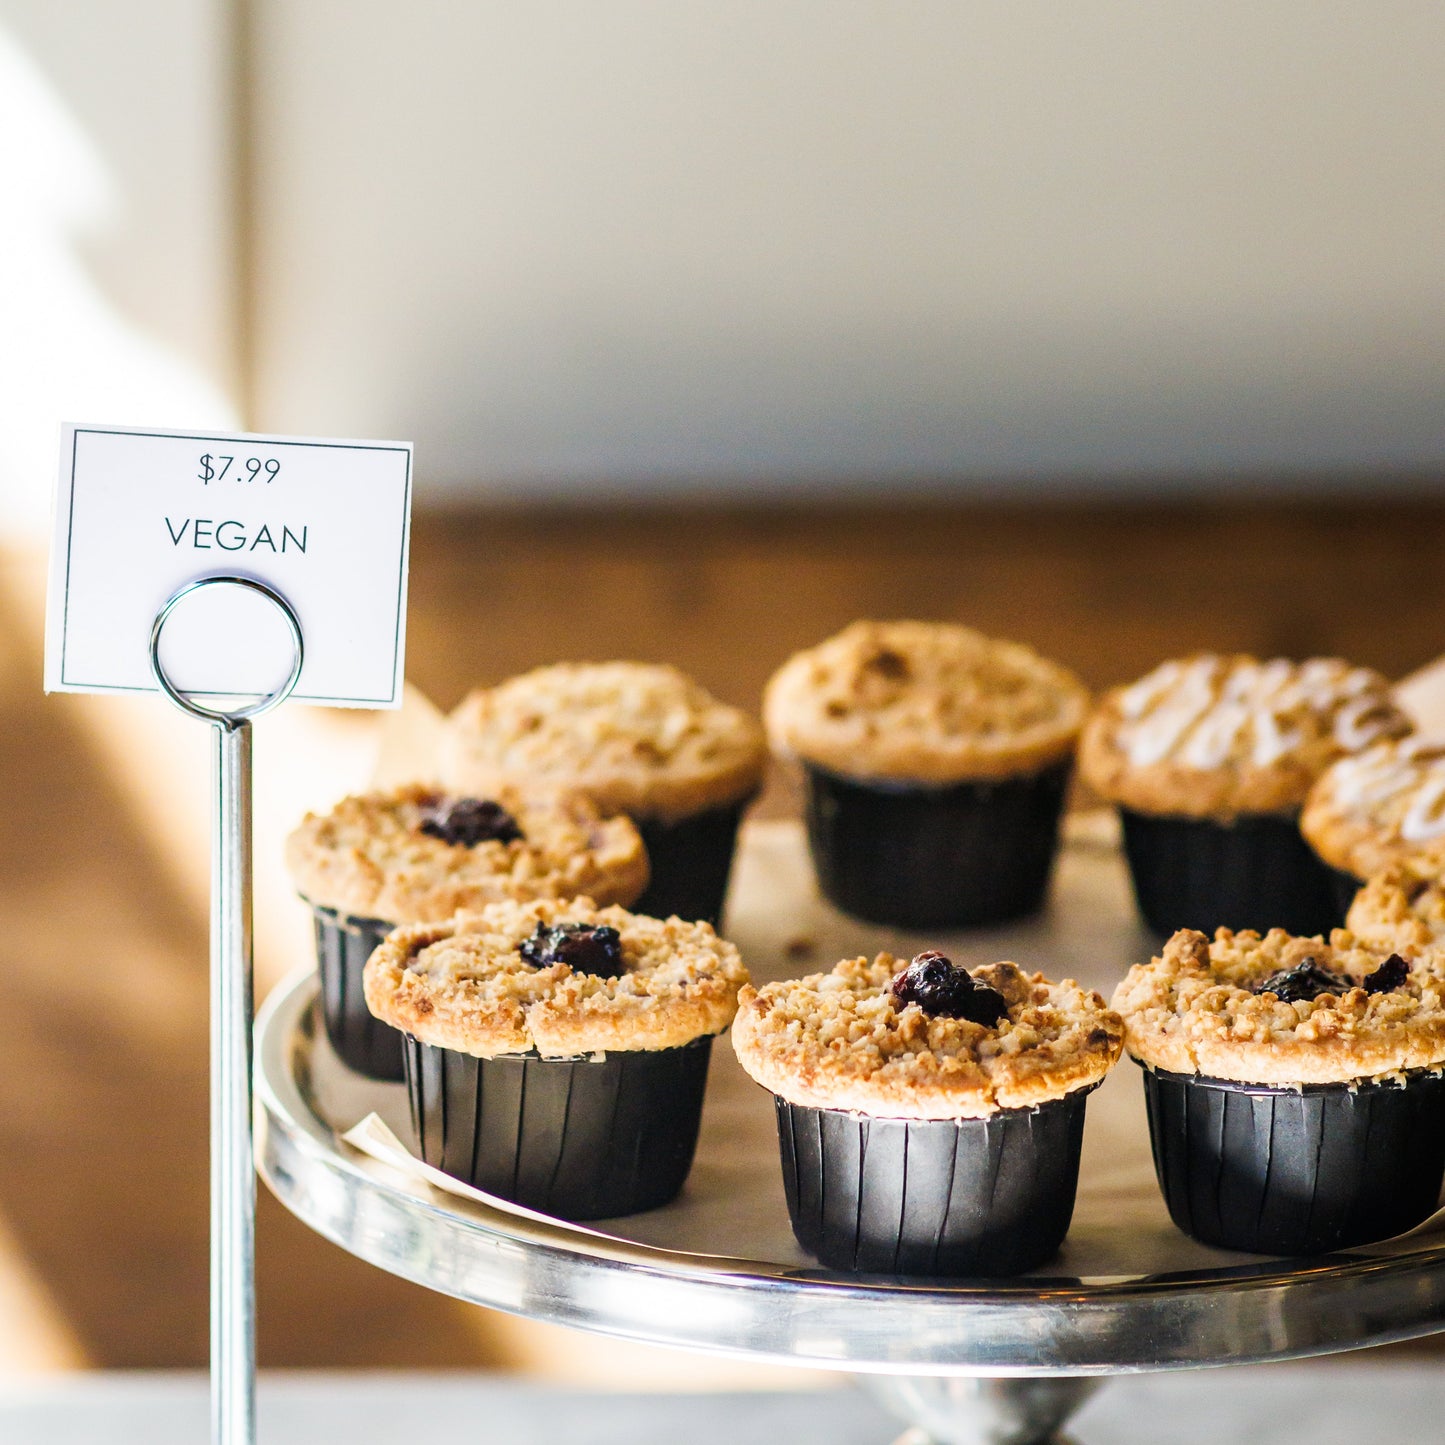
(118, 283)
(565, 244)
(782, 240)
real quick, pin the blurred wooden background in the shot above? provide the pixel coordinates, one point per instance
(103, 1077)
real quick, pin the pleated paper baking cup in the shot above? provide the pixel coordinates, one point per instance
(586, 1138)
(965, 1197)
(1345, 886)
(930, 857)
(1296, 1171)
(690, 860)
(1254, 872)
(363, 1042)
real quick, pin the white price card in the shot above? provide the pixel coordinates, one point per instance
(140, 513)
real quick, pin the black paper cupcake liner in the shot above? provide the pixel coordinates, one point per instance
(690, 859)
(363, 1042)
(1255, 872)
(1345, 886)
(966, 1197)
(586, 1138)
(1296, 1171)
(926, 857)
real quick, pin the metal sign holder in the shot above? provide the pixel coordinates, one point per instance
(233, 1173)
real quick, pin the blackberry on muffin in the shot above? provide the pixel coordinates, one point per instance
(556, 1051)
(639, 739)
(415, 854)
(935, 762)
(1209, 759)
(929, 1117)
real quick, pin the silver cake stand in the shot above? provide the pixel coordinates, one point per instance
(1003, 1362)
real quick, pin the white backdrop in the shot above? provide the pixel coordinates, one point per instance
(774, 243)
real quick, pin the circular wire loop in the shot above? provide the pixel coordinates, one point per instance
(262, 704)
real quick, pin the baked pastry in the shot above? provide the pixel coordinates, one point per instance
(637, 738)
(935, 762)
(1379, 808)
(1295, 1089)
(1209, 759)
(929, 1118)
(1403, 907)
(414, 855)
(556, 1052)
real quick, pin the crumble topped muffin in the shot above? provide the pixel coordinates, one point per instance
(858, 1038)
(1403, 907)
(923, 702)
(1282, 1010)
(1370, 811)
(417, 855)
(499, 981)
(637, 738)
(1216, 736)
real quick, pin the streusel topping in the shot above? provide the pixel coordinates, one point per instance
(926, 702)
(1373, 810)
(845, 1040)
(390, 855)
(1213, 736)
(1202, 1008)
(472, 984)
(1403, 907)
(636, 737)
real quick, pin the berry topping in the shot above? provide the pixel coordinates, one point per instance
(1388, 977)
(1303, 983)
(469, 821)
(583, 947)
(943, 991)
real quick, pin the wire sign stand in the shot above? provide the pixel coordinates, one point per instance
(233, 1175)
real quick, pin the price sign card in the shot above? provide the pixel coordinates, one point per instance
(140, 513)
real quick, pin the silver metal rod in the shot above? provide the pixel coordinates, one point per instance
(233, 1176)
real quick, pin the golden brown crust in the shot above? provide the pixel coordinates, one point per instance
(1385, 805)
(1403, 908)
(637, 738)
(1192, 1011)
(925, 702)
(1213, 736)
(463, 985)
(368, 856)
(839, 1040)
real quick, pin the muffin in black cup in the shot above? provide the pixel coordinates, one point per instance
(361, 1041)
(922, 857)
(1209, 760)
(1295, 1088)
(556, 1053)
(637, 738)
(1403, 907)
(414, 855)
(1252, 871)
(935, 765)
(915, 1138)
(1378, 809)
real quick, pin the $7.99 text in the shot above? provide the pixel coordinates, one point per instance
(214, 468)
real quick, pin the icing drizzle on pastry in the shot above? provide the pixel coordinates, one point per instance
(1203, 711)
(1412, 771)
